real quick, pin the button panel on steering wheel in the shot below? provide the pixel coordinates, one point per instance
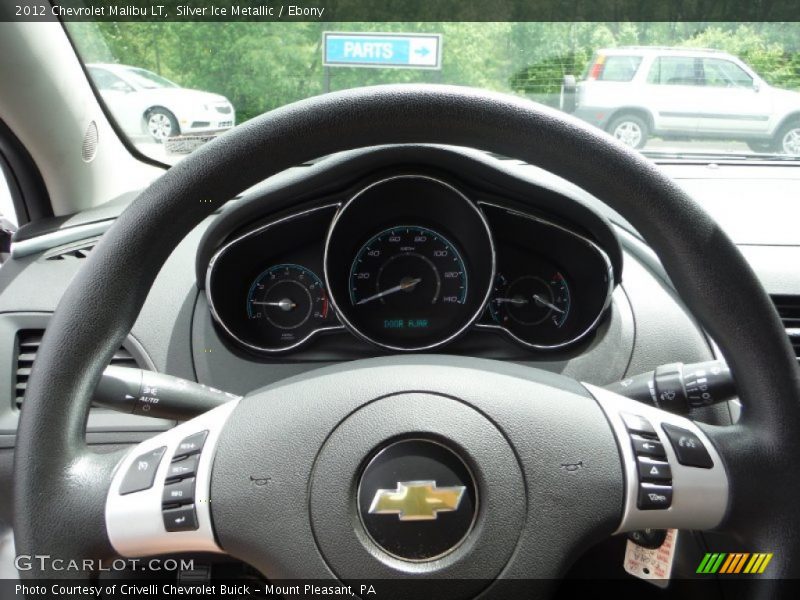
(664, 489)
(173, 512)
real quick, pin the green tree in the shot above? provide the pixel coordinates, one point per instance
(776, 64)
(260, 65)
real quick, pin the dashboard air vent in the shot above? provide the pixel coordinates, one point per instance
(789, 311)
(72, 252)
(28, 341)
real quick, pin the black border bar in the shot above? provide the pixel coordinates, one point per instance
(346, 11)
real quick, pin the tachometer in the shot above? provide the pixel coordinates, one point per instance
(287, 301)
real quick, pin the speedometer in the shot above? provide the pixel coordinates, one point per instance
(409, 263)
(408, 279)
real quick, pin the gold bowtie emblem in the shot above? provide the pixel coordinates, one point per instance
(417, 500)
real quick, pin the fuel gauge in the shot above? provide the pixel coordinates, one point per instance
(531, 300)
(534, 307)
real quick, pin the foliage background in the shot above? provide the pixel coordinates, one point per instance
(260, 66)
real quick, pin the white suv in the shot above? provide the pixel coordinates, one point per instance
(636, 92)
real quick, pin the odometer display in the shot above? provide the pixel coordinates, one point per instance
(409, 282)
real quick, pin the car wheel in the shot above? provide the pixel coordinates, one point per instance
(789, 139)
(631, 130)
(161, 124)
(760, 146)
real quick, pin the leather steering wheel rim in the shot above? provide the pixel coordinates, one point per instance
(56, 474)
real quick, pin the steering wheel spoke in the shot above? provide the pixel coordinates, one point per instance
(674, 476)
(159, 500)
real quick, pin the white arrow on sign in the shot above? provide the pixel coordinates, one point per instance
(423, 52)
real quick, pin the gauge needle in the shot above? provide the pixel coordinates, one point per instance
(284, 304)
(515, 300)
(406, 284)
(542, 302)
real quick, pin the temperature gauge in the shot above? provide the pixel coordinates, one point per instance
(535, 308)
(531, 300)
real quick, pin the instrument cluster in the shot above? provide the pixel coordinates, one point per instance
(409, 263)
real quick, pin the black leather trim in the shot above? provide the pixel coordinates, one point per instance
(55, 513)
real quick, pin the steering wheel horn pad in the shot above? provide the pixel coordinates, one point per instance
(527, 468)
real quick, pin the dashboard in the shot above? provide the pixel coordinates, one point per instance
(410, 261)
(198, 323)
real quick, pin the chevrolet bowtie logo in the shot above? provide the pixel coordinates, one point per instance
(417, 500)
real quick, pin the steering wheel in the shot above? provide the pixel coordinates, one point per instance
(429, 468)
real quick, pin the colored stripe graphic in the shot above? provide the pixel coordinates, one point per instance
(715, 567)
(755, 562)
(711, 562)
(740, 563)
(727, 564)
(731, 566)
(767, 558)
(734, 563)
(703, 563)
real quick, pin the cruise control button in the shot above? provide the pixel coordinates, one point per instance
(142, 472)
(191, 444)
(654, 497)
(180, 492)
(183, 518)
(648, 447)
(637, 424)
(688, 447)
(653, 470)
(185, 467)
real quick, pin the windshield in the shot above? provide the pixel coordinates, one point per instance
(148, 80)
(717, 91)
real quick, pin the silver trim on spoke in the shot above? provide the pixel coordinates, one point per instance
(134, 521)
(699, 496)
